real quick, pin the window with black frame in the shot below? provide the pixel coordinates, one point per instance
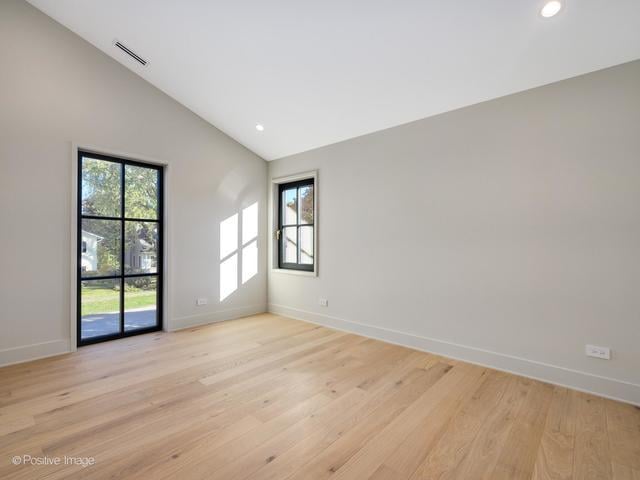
(296, 228)
(119, 248)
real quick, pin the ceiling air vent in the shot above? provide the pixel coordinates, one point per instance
(131, 53)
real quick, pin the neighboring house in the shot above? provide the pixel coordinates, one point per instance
(306, 241)
(141, 256)
(89, 260)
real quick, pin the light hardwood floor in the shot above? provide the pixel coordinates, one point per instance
(267, 397)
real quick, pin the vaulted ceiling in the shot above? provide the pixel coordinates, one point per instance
(315, 73)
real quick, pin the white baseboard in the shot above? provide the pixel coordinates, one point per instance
(26, 353)
(214, 317)
(37, 351)
(586, 382)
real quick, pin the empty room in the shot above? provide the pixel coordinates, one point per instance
(338, 240)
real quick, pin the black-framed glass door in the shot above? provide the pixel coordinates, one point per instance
(120, 248)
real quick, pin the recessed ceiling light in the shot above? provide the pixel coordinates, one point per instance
(260, 127)
(551, 8)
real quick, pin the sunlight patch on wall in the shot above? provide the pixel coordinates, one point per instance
(228, 236)
(249, 223)
(228, 276)
(249, 242)
(249, 261)
(230, 248)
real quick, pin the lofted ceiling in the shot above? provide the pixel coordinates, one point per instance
(315, 73)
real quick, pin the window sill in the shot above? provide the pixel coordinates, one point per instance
(300, 273)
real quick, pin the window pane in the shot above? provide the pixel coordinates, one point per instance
(100, 187)
(140, 303)
(289, 207)
(141, 247)
(141, 192)
(306, 245)
(100, 253)
(289, 244)
(305, 204)
(99, 308)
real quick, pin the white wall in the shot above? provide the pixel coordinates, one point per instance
(506, 233)
(56, 89)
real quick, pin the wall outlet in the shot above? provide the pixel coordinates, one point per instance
(201, 301)
(324, 302)
(598, 352)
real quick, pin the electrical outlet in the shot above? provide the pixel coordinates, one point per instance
(598, 352)
(201, 301)
(324, 302)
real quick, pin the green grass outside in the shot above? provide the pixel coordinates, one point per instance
(105, 300)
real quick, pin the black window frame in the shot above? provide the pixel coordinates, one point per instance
(280, 237)
(122, 276)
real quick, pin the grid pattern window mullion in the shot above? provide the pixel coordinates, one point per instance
(298, 245)
(128, 219)
(152, 220)
(122, 245)
(298, 225)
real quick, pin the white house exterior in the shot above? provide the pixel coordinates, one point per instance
(141, 256)
(301, 238)
(89, 249)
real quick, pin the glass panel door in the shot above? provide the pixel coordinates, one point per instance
(119, 248)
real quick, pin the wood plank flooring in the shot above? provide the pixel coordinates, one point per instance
(269, 398)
